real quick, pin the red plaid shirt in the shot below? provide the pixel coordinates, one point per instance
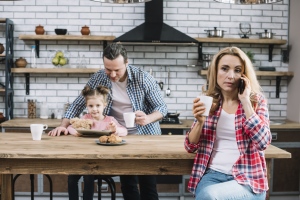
(252, 136)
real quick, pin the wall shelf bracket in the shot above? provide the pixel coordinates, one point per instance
(27, 79)
(278, 79)
(37, 48)
(199, 51)
(271, 47)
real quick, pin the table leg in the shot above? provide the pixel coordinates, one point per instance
(6, 187)
(269, 165)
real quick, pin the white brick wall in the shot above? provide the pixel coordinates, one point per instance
(189, 16)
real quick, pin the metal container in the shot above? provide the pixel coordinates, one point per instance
(205, 64)
(266, 35)
(215, 33)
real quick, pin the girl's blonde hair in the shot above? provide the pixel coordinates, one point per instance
(100, 90)
(214, 89)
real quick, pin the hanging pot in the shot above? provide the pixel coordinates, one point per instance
(266, 35)
(39, 30)
(215, 33)
(1, 48)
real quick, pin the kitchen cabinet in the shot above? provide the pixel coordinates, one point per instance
(9, 63)
(286, 172)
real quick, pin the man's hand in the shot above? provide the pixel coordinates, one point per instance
(141, 118)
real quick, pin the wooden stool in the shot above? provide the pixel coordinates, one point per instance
(32, 185)
(111, 183)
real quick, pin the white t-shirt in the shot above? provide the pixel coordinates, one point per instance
(121, 104)
(225, 152)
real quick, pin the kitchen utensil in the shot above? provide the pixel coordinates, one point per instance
(21, 62)
(39, 30)
(168, 91)
(85, 30)
(60, 31)
(245, 29)
(205, 64)
(1, 48)
(173, 115)
(215, 33)
(160, 83)
(266, 35)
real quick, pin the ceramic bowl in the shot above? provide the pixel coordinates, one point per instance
(60, 31)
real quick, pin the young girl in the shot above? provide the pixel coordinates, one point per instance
(96, 100)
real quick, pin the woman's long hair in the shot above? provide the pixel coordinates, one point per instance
(214, 89)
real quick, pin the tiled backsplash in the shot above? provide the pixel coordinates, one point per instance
(189, 16)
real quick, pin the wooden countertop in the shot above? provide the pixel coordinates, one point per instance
(186, 124)
(52, 123)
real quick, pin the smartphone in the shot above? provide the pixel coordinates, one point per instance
(241, 86)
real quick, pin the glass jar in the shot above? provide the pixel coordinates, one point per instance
(44, 111)
(31, 105)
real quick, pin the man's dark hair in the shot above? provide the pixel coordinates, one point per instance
(113, 50)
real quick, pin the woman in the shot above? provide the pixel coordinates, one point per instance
(230, 142)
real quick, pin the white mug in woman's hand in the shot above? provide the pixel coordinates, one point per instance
(207, 101)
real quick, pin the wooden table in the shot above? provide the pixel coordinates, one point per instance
(141, 155)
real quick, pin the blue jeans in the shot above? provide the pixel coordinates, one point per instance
(147, 187)
(88, 188)
(218, 186)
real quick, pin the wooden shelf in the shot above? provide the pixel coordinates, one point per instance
(2, 55)
(28, 71)
(2, 20)
(2, 90)
(260, 73)
(277, 74)
(54, 70)
(270, 42)
(241, 41)
(67, 37)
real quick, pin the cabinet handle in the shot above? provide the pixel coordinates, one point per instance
(170, 133)
(274, 136)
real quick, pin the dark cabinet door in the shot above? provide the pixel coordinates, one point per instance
(286, 172)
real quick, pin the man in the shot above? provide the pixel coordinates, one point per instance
(132, 89)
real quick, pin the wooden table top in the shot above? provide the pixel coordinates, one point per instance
(185, 125)
(21, 146)
(52, 123)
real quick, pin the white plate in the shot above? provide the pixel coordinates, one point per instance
(86, 132)
(110, 144)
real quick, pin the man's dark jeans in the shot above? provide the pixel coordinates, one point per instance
(88, 190)
(147, 187)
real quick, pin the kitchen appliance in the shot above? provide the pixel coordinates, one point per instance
(266, 34)
(170, 118)
(153, 30)
(215, 33)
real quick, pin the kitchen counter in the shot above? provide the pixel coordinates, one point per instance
(185, 125)
(52, 123)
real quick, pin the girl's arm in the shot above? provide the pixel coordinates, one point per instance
(120, 130)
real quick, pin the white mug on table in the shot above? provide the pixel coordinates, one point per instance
(37, 130)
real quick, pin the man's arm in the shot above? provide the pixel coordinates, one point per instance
(142, 119)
